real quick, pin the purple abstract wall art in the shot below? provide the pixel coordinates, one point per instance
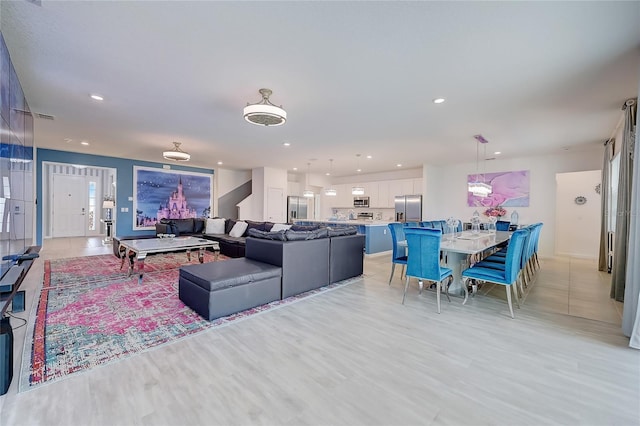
(509, 189)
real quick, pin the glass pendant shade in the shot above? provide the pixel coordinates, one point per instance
(357, 190)
(307, 193)
(330, 192)
(480, 189)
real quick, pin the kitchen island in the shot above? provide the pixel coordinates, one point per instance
(376, 232)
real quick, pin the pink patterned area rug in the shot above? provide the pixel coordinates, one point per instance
(82, 322)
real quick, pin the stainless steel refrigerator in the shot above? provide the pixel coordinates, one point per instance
(296, 208)
(408, 208)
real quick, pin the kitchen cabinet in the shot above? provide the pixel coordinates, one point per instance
(417, 186)
(383, 194)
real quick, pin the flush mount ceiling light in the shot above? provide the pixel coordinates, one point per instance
(176, 154)
(438, 100)
(478, 187)
(264, 113)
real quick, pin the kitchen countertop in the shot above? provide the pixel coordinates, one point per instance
(351, 222)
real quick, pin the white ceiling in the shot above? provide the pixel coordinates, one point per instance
(354, 77)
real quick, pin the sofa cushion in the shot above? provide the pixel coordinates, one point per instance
(213, 276)
(268, 226)
(198, 225)
(215, 226)
(306, 235)
(228, 225)
(254, 225)
(339, 231)
(279, 227)
(185, 226)
(170, 227)
(273, 235)
(238, 229)
(303, 227)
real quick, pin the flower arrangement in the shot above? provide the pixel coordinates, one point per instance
(495, 211)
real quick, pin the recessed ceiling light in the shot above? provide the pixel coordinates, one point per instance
(219, 163)
(85, 143)
(67, 140)
(497, 153)
(328, 174)
(369, 157)
(398, 165)
(97, 98)
(359, 170)
(438, 100)
(295, 168)
(286, 144)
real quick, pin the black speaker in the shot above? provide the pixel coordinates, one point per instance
(6, 355)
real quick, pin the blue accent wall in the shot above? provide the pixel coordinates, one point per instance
(124, 183)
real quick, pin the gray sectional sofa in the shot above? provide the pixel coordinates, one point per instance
(306, 260)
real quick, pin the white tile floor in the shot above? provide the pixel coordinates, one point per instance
(357, 356)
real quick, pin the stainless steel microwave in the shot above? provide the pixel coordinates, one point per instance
(360, 201)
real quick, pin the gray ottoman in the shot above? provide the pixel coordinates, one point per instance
(217, 289)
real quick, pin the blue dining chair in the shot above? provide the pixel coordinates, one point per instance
(411, 224)
(507, 276)
(498, 261)
(399, 254)
(423, 262)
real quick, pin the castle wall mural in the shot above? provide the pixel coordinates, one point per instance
(169, 194)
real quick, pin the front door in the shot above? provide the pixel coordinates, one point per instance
(69, 206)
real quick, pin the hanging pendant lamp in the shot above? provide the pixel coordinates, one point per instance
(357, 190)
(307, 192)
(330, 192)
(478, 187)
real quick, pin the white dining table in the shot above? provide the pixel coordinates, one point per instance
(462, 249)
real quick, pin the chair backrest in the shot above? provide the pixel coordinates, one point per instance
(411, 224)
(525, 246)
(502, 225)
(536, 236)
(426, 224)
(514, 254)
(397, 234)
(531, 242)
(424, 253)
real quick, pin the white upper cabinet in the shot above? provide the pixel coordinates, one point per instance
(383, 195)
(417, 186)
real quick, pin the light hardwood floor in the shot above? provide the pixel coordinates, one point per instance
(356, 355)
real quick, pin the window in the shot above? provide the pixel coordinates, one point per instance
(92, 206)
(613, 192)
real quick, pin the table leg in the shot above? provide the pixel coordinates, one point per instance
(457, 262)
(189, 255)
(201, 254)
(141, 258)
(130, 253)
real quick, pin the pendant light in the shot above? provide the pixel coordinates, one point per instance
(307, 192)
(330, 192)
(478, 187)
(176, 154)
(357, 190)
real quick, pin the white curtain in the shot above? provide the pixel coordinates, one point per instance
(631, 310)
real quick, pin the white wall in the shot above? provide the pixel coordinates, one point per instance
(446, 188)
(374, 177)
(228, 180)
(264, 178)
(578, 226)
